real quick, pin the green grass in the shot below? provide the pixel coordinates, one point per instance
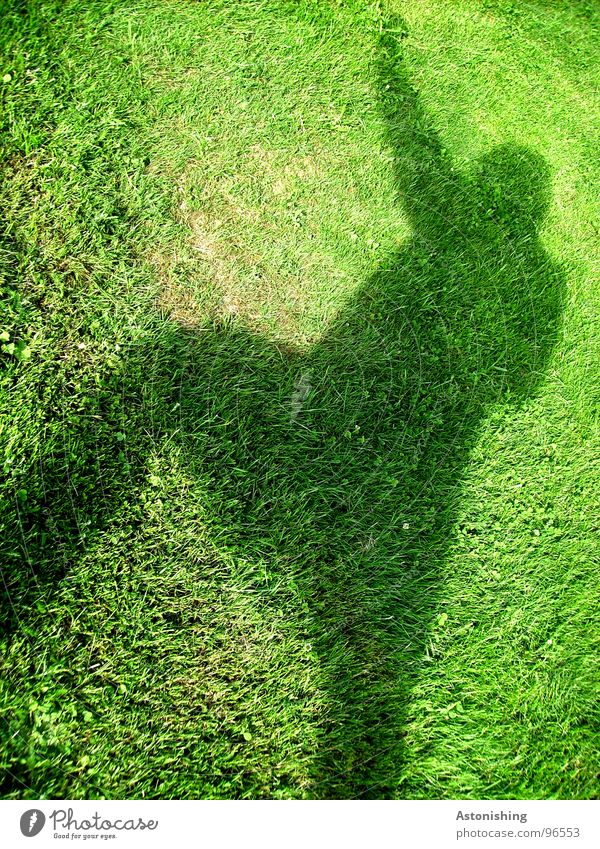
(299, 399)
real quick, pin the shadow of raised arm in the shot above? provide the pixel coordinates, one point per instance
(422, 167)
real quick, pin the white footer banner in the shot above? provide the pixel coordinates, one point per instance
(312, 824)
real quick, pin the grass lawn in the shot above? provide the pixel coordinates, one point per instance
(299, 387)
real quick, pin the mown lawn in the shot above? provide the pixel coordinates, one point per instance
(300, 389)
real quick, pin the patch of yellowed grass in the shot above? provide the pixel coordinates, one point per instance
(233, 250)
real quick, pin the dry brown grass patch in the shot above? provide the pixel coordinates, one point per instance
(229, 260)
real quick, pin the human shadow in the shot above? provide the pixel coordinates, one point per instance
(355, 486)
(342, 466)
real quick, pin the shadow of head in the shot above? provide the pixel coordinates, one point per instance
(514, 182)
(511, 296)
